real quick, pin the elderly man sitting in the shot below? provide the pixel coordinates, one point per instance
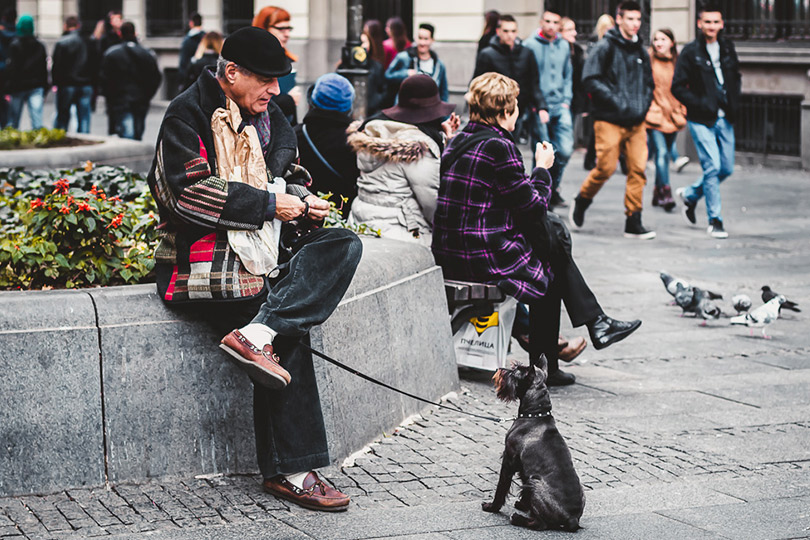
(222, 151)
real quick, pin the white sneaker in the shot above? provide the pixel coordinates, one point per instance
(716, 229)
(680, 163)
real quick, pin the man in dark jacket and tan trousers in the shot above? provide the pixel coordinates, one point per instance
(707, 80)
(222, 151)
(618, 78)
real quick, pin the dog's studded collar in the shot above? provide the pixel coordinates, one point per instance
(534, 415)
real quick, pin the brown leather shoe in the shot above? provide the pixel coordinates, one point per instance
(573, 349)
(262, 365)
(316, 495)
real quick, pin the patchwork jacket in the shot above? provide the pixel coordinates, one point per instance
(194, 261)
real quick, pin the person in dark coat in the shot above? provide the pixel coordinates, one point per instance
(205, 208)
(73, 72)
(188, 48)
(508, 57)
(707, 80)
(492, 225)
(26, 74)
(322, 146)
(205, 56)
(107, 34)
(618, 77)
(8, 30)
(491, 19)
(129, 77)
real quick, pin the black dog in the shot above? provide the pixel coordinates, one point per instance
(551, 494)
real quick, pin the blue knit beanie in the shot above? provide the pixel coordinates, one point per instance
(333, 92)
(25, 26)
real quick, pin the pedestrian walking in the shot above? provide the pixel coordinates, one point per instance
(491, 19)
(205, 56)
(618, 77)
(75, 64)
(707, 80)
(553, 56)
(376, 88)
(666, 117)
(397, 40)
(420, 58)
(505, 55)
(188, 48)
(107, 34)
(604, 23)
(26, 74)
(8, 30)
(129, 77)
(223, 144)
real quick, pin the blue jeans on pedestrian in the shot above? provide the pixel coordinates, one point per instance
(66, 97)
(314, 275)
(663, 149)
(559, 131)
(129, 120)
(35, 99)
(715, 149)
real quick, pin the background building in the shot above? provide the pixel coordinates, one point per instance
(772, 39)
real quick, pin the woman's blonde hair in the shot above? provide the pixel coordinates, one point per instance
(210, 41)
(604, 23)
(491, 96)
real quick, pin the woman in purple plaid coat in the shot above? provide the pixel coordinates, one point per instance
(492, 225)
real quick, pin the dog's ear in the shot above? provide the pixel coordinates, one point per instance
(506, 383)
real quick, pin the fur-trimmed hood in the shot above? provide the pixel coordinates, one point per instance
(387, 141)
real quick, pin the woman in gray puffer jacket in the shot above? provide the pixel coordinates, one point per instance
(398, 155)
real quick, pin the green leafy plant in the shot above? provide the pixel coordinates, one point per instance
(73, 237)
(11, 138)
(335, 217)
(116, 181)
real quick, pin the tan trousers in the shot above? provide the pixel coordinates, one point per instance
(610, 140)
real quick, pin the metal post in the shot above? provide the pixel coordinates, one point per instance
(353, 57)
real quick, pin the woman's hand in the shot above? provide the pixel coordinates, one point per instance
(544, 155)
(450, 125)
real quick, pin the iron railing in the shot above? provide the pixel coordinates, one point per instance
(769, 124)
(767, 20)
(168, 18)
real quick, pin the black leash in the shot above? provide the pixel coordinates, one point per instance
(397, 390)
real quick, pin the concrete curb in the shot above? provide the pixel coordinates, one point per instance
(136, 155)
(109, 385)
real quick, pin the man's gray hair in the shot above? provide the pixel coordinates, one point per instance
(222, 63)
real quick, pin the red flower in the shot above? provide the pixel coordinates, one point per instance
(37, 203)
(83, 207)
(61, 186)
(64, 210)
(94, 190)
(116, 221)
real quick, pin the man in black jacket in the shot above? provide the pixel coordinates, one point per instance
(505, 55)
(75, 63)
(129, 77)
(618, 78)
(188, 47)
(26, 74)
(707, 80)
(222, 148)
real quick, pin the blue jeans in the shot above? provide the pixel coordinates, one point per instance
(129, 121)
(559, 131)
(66, 97)
(288, 423)
(35, 99)
(663, 149)
(715, 149)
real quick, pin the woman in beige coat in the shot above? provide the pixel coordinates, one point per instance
(666, 116)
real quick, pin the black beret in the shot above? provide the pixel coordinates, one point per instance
(257, 50)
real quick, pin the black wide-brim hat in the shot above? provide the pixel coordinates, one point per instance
(418, 101)
(258, 51)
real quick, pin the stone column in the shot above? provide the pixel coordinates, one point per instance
(211, 12)
(135, 12)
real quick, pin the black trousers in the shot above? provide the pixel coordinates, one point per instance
(568, 286)
(288, 423)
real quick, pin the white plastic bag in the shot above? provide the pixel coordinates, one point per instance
(483, 342)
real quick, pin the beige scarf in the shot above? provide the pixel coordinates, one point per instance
(239, 159)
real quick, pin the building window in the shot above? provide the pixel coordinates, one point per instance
(382, 10)
(168, 18)
(767, 20)
(769, 124)
(585, 14)
(93, 11)
(237, 14)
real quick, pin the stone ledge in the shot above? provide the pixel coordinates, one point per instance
(136, 155)
(184, 409)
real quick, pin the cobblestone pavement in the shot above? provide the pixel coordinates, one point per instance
(681, 431)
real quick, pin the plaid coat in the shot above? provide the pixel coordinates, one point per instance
(481, 229)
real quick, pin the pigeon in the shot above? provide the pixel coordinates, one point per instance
(741, 302)
(697, 301)
(671, 283)
(768, 295)
(761, 316)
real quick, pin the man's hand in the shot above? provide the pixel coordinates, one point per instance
(289, 207)
(544, 155)
(543, 115)
(318, 208)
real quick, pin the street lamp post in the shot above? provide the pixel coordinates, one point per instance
(353, 64)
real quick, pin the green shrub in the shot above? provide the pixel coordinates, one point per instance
(74, 237)
(11, 138)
